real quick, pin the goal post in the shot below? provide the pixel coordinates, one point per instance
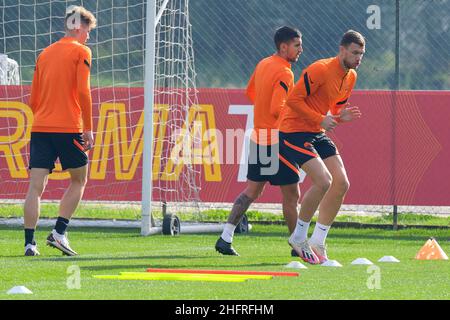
(170, 93)
(149, 76)
(171, 102)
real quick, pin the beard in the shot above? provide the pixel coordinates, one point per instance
(295, 59)
(349, 65)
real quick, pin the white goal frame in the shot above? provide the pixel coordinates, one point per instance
(148, 226)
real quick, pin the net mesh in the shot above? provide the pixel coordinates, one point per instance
(230, 38)
(177, 131)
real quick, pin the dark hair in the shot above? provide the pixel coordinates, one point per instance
(285, 35)
(352, 36)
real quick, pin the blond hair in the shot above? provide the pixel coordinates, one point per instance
(76, 15)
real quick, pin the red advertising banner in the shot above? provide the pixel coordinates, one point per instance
(397, 153)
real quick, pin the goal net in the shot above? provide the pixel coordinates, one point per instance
(124, 175)
(152, 151)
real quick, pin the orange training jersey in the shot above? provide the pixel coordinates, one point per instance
(323, 86)
(60, 93)
(268, 89)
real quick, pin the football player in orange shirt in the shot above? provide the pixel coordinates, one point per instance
(318, 103)
(62, 128)
(268, 89)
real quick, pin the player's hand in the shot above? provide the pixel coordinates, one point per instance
(88, 138)
(329, 122)
(349, 113)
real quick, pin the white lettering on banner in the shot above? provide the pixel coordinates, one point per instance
(248, 111)
(374, 20)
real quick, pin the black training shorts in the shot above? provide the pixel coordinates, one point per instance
(298, 148)
(264, 164)
(46, 147)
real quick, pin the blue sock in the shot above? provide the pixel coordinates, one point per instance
(61, 225)
(29, 237)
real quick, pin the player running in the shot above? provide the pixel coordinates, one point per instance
(268, 89)
(318, 103)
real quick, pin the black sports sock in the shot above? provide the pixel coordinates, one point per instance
(29, 237)
(61, 225)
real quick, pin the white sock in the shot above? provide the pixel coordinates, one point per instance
(320, 234)
(56, 235)
(228, 232)
(301, 231)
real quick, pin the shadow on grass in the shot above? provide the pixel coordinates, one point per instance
(338, 233)
(131, 231)
(146, 257)
(180, 266)
(120, 268)
(230, 266)
(352, 234)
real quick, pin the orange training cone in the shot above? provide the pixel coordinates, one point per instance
(431, 251)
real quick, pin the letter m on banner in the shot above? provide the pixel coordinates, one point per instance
(112, 132)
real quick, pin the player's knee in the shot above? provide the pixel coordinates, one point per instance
(325, 183)
(254, 192)
(290, 195)
(37, 188)
(343, 185)
(79, 180)
(295, 196)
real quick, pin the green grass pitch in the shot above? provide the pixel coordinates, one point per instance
(108, 251)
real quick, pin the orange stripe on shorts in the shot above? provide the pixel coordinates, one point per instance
(290, 165)
(79, 146)
(309, 153)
